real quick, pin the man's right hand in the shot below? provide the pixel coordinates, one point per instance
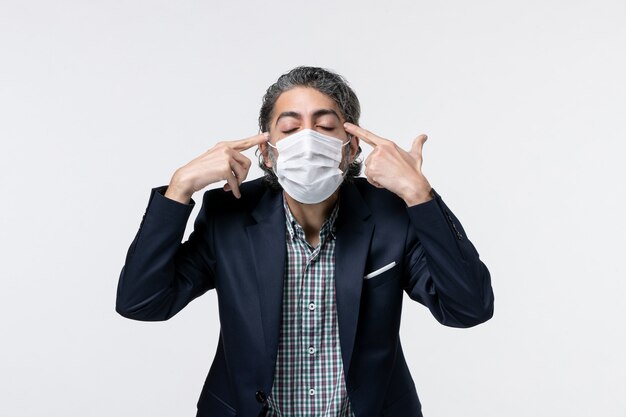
(224, 161)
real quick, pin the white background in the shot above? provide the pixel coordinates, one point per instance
(524, 104)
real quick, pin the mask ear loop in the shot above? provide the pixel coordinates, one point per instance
(273, 163)
(342, 145)
(348, 141)
(261, 156)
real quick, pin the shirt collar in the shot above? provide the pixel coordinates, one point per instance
(295, 230)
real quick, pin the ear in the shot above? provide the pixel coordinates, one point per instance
(354, 147)
(264, 149)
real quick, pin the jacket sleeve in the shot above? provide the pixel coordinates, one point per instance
(161, 275)
(443, 267)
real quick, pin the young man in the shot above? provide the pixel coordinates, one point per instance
(309, 263)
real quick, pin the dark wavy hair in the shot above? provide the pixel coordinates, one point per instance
(324, 81)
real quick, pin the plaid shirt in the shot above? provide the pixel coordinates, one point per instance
(309, 378)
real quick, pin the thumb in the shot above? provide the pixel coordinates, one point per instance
(418, 144)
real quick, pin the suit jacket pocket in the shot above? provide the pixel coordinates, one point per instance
(210, 405)
(380, 270)
(381, 275)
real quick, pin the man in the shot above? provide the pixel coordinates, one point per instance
(309, 262)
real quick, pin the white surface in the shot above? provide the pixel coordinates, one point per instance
(524, 105)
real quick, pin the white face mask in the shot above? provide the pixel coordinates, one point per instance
(308, 165)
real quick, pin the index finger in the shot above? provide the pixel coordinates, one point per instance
(363, 134)
(243, 144)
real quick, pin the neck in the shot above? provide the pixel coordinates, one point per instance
(312, 216)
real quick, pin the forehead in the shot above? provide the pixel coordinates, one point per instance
(303, 100)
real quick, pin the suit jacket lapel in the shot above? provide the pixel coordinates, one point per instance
(267, 239)
(354, 227)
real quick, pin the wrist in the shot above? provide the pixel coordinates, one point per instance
(418, 196)
(179, 191)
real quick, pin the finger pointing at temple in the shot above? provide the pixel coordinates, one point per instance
(393, 168)
(244, 144)
(363, 134)
(223, 162)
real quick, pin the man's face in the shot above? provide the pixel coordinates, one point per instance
(306, 108)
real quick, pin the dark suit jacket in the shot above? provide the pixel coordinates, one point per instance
(238, 248)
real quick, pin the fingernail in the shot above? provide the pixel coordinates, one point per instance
(267, 135)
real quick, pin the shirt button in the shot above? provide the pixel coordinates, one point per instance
(311, 306)
(311, 350)
(311, 392)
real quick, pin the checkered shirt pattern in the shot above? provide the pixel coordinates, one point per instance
(309, 377)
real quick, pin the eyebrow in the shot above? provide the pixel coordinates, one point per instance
(318, 113)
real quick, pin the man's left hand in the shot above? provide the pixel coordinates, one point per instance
(393, 168)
